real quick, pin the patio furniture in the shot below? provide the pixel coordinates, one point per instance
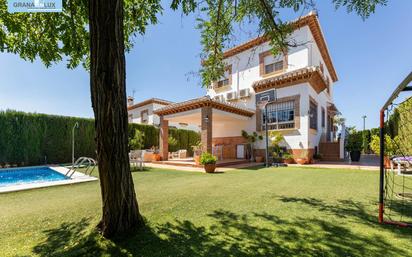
(181, 154)
(136, 158)
(401, 162)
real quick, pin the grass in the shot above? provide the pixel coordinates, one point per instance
(262, 212)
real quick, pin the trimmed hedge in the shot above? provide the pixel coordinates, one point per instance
(34, 139)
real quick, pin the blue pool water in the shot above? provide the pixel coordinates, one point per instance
(18, 176)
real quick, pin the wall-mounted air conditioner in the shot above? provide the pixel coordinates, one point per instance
(244, 93)
(231, 96)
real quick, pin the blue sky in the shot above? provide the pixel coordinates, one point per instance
(371, 57)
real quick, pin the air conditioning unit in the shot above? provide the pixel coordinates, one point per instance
(244, 93)
(231, 96)
(219, 98)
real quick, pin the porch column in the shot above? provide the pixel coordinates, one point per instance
(206, 126)
(163, 140)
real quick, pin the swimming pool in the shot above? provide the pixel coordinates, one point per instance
(17, 179)
(18, 176)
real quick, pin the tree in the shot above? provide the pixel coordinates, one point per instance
(52, 37)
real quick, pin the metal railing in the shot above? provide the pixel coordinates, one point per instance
(83, 162)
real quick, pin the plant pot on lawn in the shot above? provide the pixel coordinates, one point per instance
(289, 160)
(301, 161)
(156, 157)
(354, 146)
(355, 155)
(208, 161)
(196, 158)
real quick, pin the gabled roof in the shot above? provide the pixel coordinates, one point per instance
(309, 20)
(202, 102)
(149, 101)
(312, 75)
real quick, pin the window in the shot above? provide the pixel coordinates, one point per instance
(313, 115)
(272, 67)
(323, 117)
(270, 63)
(144, 115)
(280, 115)
(130, 117)
(226, 80)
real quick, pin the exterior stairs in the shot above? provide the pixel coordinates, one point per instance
(329, 151)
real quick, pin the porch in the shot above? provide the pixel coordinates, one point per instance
(220, 123)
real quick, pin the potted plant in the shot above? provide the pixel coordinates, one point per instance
(317, 157)
(288, 158)
(197, 151)
(302, 158)
(276, 138)
(252, 139)
(208, 161)
(354, 145)
(390, 148)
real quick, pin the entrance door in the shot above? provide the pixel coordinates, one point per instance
(240, 151)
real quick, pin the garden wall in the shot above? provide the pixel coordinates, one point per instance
(35, 139)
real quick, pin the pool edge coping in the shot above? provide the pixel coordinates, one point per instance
(77, 177)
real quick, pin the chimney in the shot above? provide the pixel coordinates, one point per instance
(130, 100)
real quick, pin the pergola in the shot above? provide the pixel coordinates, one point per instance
(212, 116)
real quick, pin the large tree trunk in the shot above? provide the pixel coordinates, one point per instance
(107, 82)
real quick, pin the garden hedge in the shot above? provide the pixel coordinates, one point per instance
(35, 139)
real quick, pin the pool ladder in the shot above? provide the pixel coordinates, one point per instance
(82, 162)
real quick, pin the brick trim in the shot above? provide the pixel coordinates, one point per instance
(311, 75)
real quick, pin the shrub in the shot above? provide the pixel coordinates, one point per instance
(207, 158)
(137, 142)
(390, 145)
(35, 139)
(354, 141)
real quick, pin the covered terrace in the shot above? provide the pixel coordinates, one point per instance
(221, 124)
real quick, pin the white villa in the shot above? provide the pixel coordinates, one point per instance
(143, 113)
(298, 86)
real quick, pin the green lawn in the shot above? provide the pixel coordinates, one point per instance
(264, 212)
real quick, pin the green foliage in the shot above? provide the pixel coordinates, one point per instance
(251, 138)
(207, 158)
(364, 8)
(400, 125)
(52, 37)
(354, 141)
(33, 139)
(137, 141)
(172, 143)
(390, 145)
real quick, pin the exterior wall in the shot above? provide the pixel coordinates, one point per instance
(137, 114)
(154, 119)
(245, 70)
(229, 145)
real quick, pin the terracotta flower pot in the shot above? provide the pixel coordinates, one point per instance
(387, 162)
(301, 161)
(156, 157)
(210, 168)
(259, 158)
(196, 158)
(289, 161)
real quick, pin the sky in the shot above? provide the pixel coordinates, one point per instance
(371, 58)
